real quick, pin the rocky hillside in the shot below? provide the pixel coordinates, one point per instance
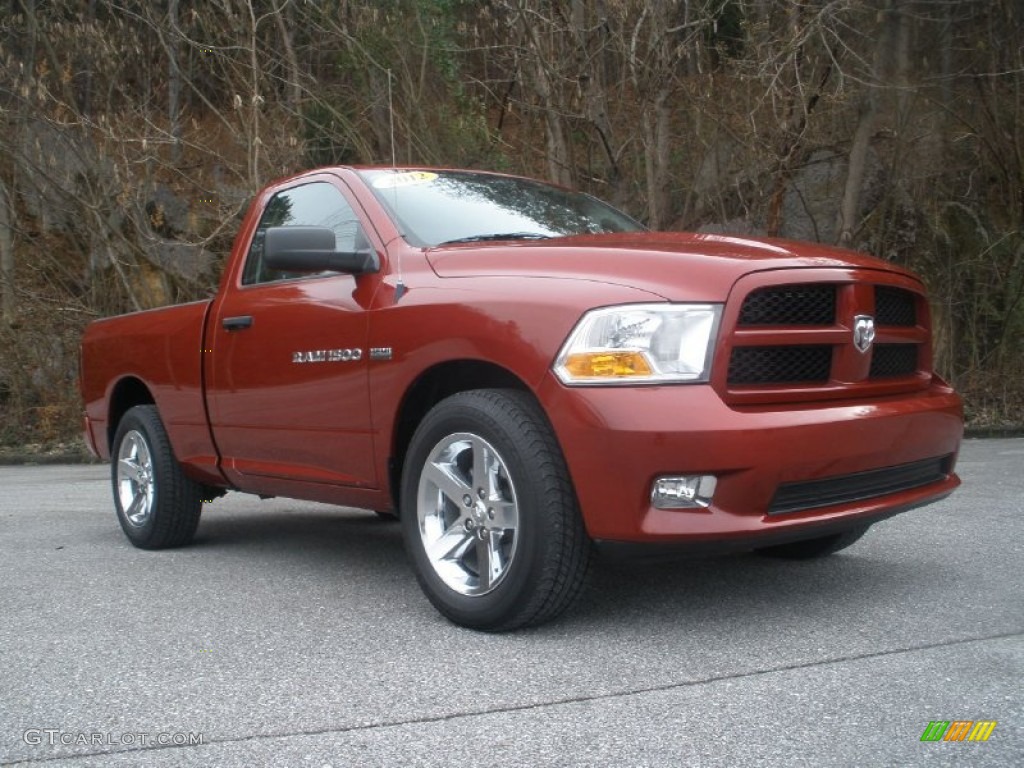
(132, 135)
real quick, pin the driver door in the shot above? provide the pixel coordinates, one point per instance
(287, 367)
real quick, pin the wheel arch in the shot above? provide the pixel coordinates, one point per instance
(129, 392)
(431, 387)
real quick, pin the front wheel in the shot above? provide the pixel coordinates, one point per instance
(489, 514)
(157, 505)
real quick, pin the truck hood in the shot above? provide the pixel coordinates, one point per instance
(674, 265)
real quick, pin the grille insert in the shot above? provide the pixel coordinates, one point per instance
(895, 307)
(804, 364)
(893, 360)
(843, 489)
(790, 305)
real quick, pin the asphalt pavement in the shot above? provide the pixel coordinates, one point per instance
(294, 634)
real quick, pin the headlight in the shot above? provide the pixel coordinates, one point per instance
(640, 344)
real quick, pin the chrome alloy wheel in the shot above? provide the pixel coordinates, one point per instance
(136, 485)
(467, 514)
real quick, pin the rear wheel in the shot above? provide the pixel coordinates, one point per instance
(811, 548)
(489, 515)
(157, 505)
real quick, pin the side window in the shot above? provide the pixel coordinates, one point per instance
(318, 204)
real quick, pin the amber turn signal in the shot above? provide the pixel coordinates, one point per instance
(614, 363)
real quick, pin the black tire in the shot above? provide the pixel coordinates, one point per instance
(812, 548)
(156, 504)
(519, 572)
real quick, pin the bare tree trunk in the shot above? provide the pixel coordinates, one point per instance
(293, 89)
(174, 82)
(90, 18)
(7, 301)
(382, 108)
(791, 137)
(890, 37)
(857, 164)
(255, 101)
(655, 122)
(594, 86)
(653, 80)
(559, 170)
(557, 146)
(554, 131)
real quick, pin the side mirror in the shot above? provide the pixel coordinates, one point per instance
(311, 249)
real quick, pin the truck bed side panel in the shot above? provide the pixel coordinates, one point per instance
(162, 349)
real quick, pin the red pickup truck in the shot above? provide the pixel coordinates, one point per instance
(518, 371)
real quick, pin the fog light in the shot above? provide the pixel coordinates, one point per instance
(683, 492)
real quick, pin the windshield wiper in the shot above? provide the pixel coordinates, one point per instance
(498, 236)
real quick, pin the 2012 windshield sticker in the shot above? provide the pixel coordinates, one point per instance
(403, 179)
(328, 355)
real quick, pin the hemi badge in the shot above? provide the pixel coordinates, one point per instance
(380, 353)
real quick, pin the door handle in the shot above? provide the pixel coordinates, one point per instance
(237, 323)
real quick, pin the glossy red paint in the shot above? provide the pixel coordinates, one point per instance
(678, 266)
(161, 351)
(616, 446)
(240, 414)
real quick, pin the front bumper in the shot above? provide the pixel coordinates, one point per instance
(617, 440)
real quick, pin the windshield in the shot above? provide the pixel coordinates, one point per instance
(441, 207)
